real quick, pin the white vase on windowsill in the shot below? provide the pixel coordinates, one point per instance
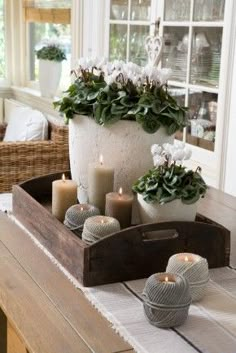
(49, 77)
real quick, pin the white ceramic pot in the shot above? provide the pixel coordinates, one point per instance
(170, 211)
(124, 146)
(49, 77)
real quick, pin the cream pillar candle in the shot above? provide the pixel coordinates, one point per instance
(64, 195)
(194, 268)
(119, 206)
(100, 182)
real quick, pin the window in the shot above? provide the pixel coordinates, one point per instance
(129, 27)
(48, 19)
(2, 41)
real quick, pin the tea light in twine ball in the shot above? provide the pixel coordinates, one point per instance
(98, 227)
(194, 268)
(166, 299)
(76, 215)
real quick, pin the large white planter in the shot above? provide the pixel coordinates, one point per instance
(49, 77)
(170, 211)
(124, 146)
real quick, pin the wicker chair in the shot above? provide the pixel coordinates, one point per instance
(20, 161)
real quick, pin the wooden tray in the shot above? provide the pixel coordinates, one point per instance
(132, 253)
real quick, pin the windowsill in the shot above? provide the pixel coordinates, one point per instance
(31, 92)
(33, 98)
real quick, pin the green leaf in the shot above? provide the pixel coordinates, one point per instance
(92, 95)
(172, 129)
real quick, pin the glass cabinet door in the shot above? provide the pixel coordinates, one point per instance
(192, 32)
(129, 26)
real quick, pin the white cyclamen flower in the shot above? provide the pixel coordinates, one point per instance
(156, 149)
(101, 63)
(179, 144)
(84, 63)
(168, 148)
(109, 80)
(158, 160)
(118, 65)
(131, 67)
(151, 72)
(164, 75)
(188, 153)
(178, 155)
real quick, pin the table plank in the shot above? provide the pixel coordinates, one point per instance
(3, 332)
(14, 343)
(42, 328)
(71, 302)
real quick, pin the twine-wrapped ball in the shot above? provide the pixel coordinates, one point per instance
(76, 215)
(98, 227)
(194, 268)
(166, 303)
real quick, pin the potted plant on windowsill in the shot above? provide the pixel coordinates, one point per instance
(50, 57)
(119, 110)
(169, 191)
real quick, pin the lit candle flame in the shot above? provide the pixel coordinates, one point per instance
(102, 221)
(186, 259)
(120, 191)
(166, 279)
(101, 159)
(81, 208)
(63, 178)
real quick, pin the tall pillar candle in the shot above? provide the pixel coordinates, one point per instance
(119, 206)
(100, 182)
(64, 195)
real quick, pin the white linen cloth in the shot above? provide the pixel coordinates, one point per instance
(210, 327)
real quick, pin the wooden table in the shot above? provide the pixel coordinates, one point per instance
(42, 312)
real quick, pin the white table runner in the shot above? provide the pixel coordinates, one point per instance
(210, 327)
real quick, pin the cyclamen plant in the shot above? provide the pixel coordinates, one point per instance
(51, 50)
(112, 91)
(169, 179)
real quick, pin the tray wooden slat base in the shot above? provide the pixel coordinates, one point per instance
(132, 253)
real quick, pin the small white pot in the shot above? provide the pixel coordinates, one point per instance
(170, 211)
(49, 77)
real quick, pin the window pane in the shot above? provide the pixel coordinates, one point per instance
(119, 10)
(2, 41)
(39, 33)
(138, 52)
(202, 117)
(206, 55)
(210, 10)
(140, 10)
(118, 42)
(174, 55)
(177, 10)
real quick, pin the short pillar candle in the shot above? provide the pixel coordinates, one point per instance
(100, 182)
(97, 227)
(194, 268)
(64, 195)
(119, 206)
(166, 299)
